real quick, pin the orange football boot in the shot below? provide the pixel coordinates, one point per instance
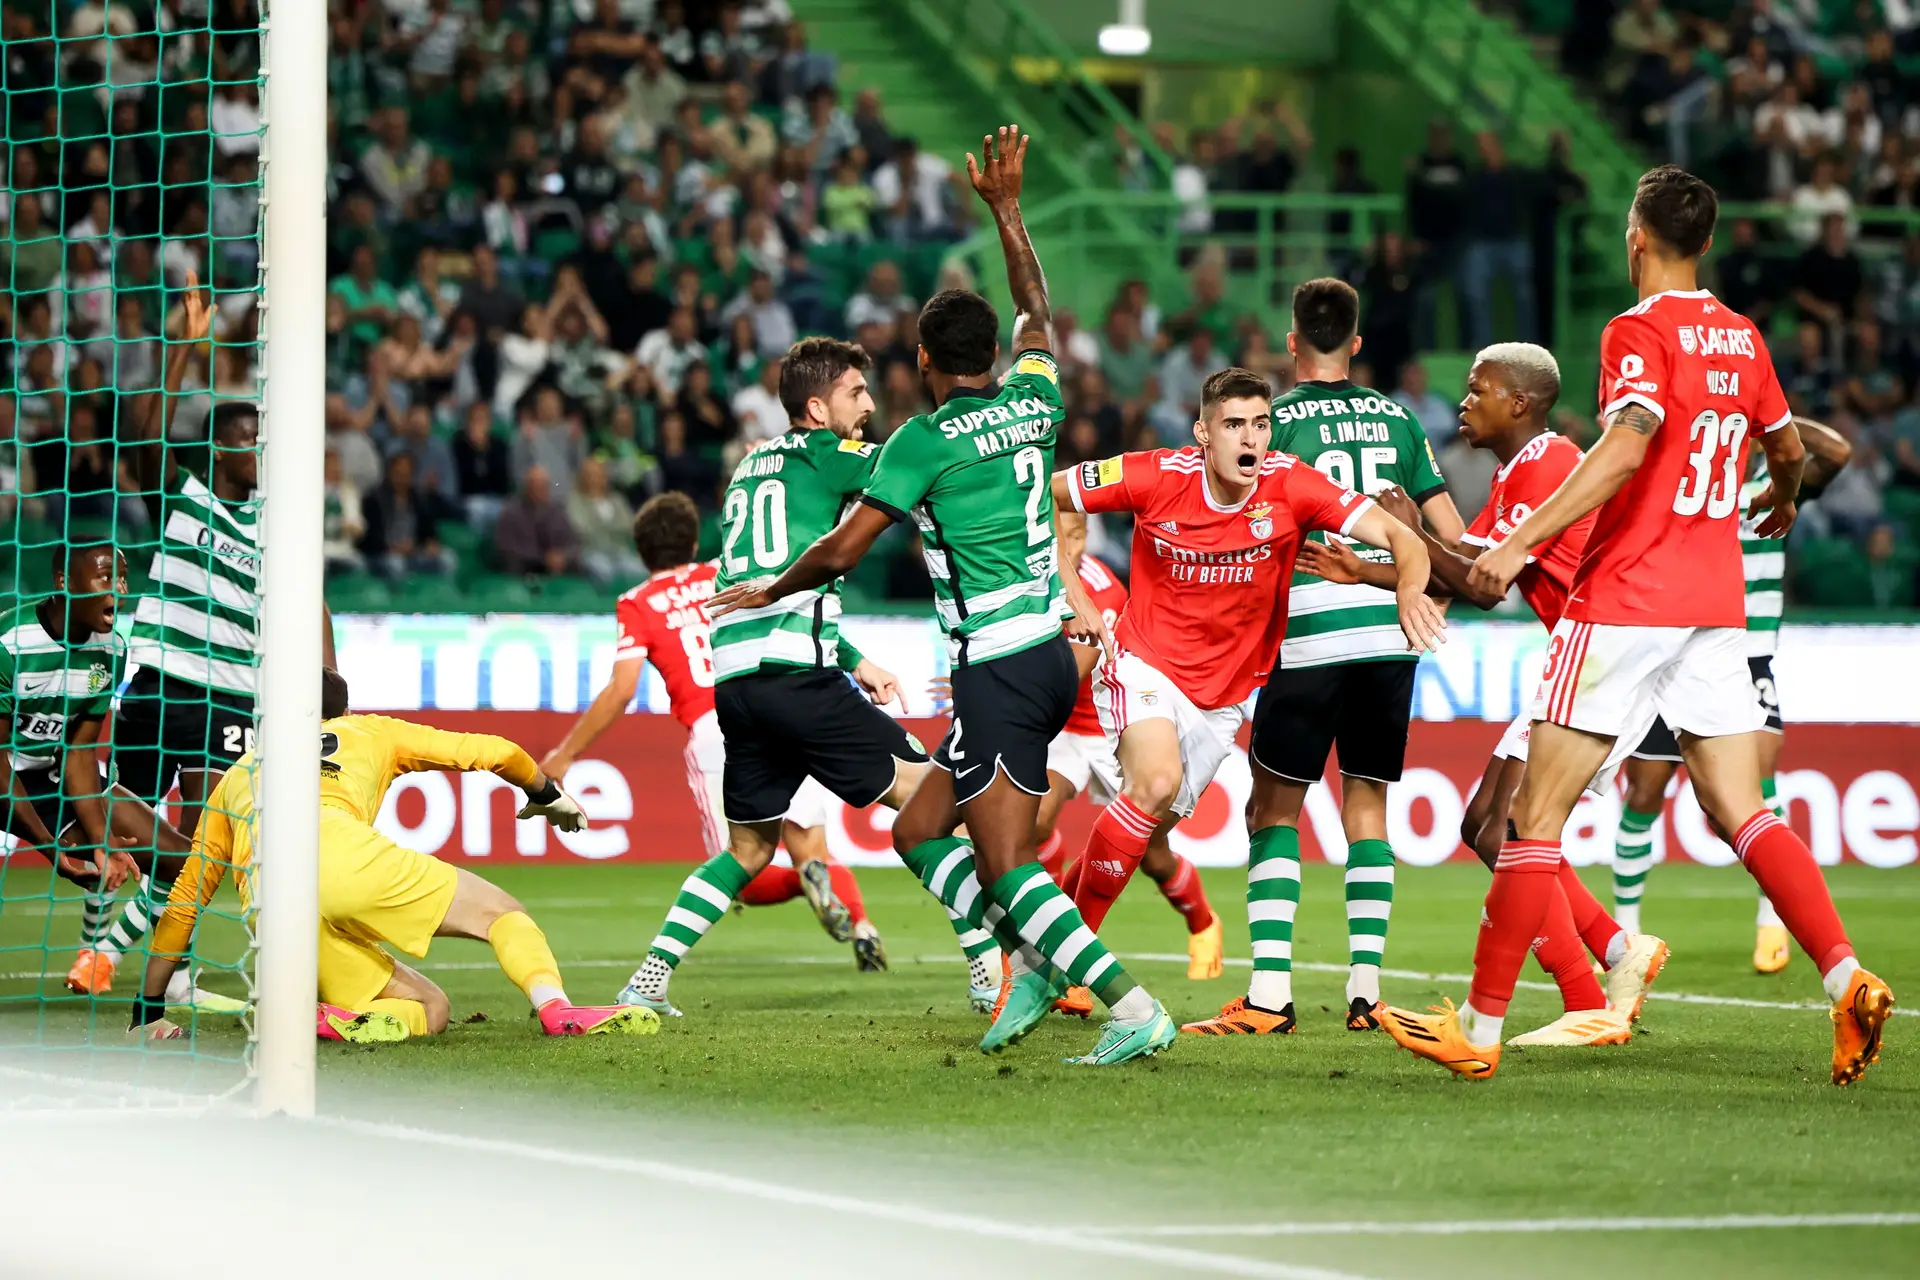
(1858, 1019)
(1238, 1018)
(1437, 1037)
(91, 974)
(1077, 1003)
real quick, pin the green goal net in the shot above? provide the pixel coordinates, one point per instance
(129, 558)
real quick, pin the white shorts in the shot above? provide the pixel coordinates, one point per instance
(1129, 689)
(1087, 761)
(1513, 746)
(1513, 743)
(1613, 681)
(706, 758)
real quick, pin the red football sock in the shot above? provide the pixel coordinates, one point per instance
(771, 887)
(1070, 878)
(1525, 880)
(1114, 849)
(1791, 879)
(1559, 952)
(1053, 856)
(847, 889)
(1597, 929)
(1188, 896)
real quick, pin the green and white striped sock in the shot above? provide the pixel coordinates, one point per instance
(1766, 916)
(96, 913)
(1051, 924)
(1369, 907)
(1632, 857)
(1273, 896)
(704, 898)
(974, 943)
(137, 916)
(945, 866)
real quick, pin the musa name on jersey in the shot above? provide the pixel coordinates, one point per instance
(200, 624)
(1365, 441)
(1765, 562)
(784, 496)
(45, 682)
(976, 477)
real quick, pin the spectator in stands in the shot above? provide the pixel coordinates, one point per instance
(914, 189)
(1898, 306)
(1829, 281)
(1181, 373)
(1192, 179)
(870, 126)
(1744, 278)
(433, 466)
(1643, 33)
(403, 524)
(532, 535)
(773, 327)
(1889, 574)
(757, 406)
(395, 166)
(1435, 414)
(30, 258)
(1819, 198)
(1093, 402)
(347, 436)
(825, 132)
(482, 467)
(669, 352)
(1436, 217)
(1390, 293)
(1807, 374)
(1853, 502)
(343, 524)
(730, 52)
(550, 441)
(492, 302)
(1497, 245)
(709, 421)
(521, 359)
(881, 301)
(847, 203)
(1872, 391)
(602, 518)
(588, 176)
(685, 468)
(1127, 359)
(742, 139)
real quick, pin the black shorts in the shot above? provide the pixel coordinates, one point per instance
(1659, 744)
(1361, 707)
(1006, 711)
(1760, 667)
(166, 726)
(46, 791)
(783, 726)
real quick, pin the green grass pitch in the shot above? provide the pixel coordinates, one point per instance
(1715, 1109)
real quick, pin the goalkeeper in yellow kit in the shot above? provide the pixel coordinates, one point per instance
(373, 891)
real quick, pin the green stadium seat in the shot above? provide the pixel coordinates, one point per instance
(431, 595)
(358, 593)
(571, 595)
(1902, 508)
(498, 593)
(555, 243)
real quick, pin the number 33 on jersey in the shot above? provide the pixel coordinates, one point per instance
(1665, 549)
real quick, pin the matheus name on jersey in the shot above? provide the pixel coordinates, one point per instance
(45, 682)
(783, 497)
(1365, 441)
(976, 477)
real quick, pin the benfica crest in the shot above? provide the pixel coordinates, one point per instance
(1260, 521)
(1687, 339)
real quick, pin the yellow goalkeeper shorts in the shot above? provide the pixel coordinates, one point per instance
(353, 972)
(374, 890)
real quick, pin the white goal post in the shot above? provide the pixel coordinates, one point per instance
(293, 442)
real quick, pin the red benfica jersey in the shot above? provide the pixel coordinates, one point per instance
(664, 619)
(1109, 596)
(1665, 550)
(1527, 480)
(1209, 602)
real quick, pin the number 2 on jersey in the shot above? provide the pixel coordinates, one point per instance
(769, 521)
(1030, 468)
(1708, 487)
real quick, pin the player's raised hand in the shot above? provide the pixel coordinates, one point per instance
(743, 595)
(1334, 562)
(997, 174)
(1494, 571)
(562, 810)
(1780, 515)
(882, 685)
(1422, 621)
(196, 313)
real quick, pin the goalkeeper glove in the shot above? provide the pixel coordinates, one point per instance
(556, 806)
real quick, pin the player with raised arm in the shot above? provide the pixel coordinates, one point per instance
(1345, 674)
(784, 706)
(1655, 624)
(1649, 772)
(1511, 389)
(973, 478)
(664, 621)
(188, 712)
(374, 891)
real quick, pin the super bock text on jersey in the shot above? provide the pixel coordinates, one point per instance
(975, 477)
(48, 685)
(781, 694)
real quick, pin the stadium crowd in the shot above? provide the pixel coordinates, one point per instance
(569, 239)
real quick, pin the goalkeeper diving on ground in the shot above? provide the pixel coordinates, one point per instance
(373, 890)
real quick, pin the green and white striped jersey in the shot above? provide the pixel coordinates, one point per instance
(45, 682)
(201, 624)
(976, 477)
(1364, 440)
(783, 497)
(1766, 565)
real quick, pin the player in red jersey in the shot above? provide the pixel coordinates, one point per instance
(1511, 389)
(1081, 759)
(1216, 528)
(1655, 624)
(664, 621)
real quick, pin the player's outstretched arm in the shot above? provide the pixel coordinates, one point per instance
(828, 558)
(419, 747)
(150, 427)
(1421, 619)
(997, 176)
(1786, 465)
(1451, 571)
(1596, 478)
(202, 873)
(85, 792)
(607, 706)
(1828, 453)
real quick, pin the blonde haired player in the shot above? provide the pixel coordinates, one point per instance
(374, 891)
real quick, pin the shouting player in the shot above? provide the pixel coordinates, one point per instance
(1082, 759)
(374, 891)
(973, 478)
(1655, 624)
(784, 706)
(664, 621)
(1511, 389)
(1650, 770)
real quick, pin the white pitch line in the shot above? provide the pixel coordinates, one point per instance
(1525, 1226)
(1100, 1242)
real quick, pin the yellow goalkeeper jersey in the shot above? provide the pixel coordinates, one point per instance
(360, 757)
